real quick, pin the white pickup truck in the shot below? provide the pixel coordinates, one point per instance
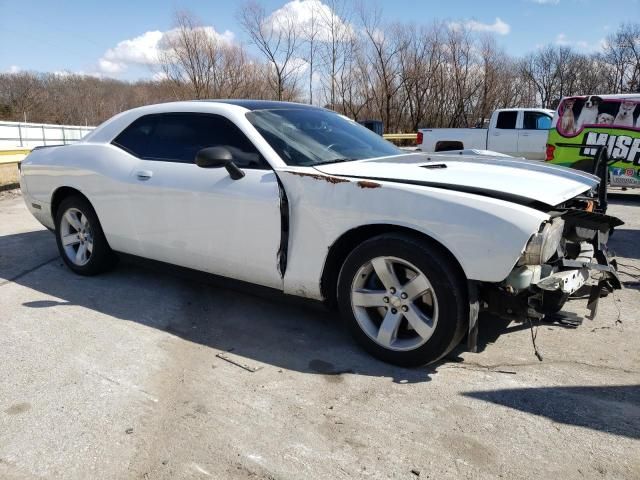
(520, 132)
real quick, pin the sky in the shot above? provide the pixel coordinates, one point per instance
(118, 38)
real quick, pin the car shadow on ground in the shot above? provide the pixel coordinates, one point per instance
(621, 197)
(612, 409)
(257, 324)
(624, 243)
(275, 330)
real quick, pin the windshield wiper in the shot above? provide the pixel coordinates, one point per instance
(336, 160)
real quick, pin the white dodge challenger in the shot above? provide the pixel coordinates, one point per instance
(409, 247)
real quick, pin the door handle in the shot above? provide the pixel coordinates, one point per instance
(525, 134)
(144, 174)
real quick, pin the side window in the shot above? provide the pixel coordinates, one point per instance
(507, 120)
(177, 137)
(536, 121)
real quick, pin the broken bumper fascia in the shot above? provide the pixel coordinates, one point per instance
(568, 281)
(599, 276)
(522, 295)
(593, 266)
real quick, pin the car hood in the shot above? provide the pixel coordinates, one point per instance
(522, 181)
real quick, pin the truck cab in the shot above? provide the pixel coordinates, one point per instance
(520, 132)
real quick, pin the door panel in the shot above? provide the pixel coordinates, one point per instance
(503, 137)
(503, 141)
(531, 144)
(201, 218)
(532, 137)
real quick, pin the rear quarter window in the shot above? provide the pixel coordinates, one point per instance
(135, 138)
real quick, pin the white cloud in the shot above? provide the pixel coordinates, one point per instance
(378, 35)
(139, 50)
(107, 66)
(546, 2)
(304, 12)
(159, 76)
(224, 37)
(145, 49)
(499, 26)
(298, 65)
(564, 41)
(66, 73)
(81, 73)
(14, 69)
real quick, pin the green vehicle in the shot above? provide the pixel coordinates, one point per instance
(583, 124)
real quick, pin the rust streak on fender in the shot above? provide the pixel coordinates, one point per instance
(368, 184)
(317, 176)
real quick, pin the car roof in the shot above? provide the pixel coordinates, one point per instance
(523, 109)
(105, 132)
(613, 96)
(262, 104)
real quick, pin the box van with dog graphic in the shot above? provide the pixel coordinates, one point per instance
(611, 121)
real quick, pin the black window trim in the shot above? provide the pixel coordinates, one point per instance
(264, 164)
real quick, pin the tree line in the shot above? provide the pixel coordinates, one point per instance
(345, 57)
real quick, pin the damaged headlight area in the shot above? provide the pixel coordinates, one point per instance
(544, 244)
(567, 256)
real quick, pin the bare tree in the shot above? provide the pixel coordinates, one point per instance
(337, 34)
(622, 53)
(385, 44)
(539, 69)
(21, 94)
(409, 76)
(277, 39)
(354, 84)
(191, 55)
(311, 33)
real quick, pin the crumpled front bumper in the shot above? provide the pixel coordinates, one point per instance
(593, 266)
(586, 264)
(582, 263)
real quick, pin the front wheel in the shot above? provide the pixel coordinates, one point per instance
(403, 300)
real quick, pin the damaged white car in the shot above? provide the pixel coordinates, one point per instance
(409, 247)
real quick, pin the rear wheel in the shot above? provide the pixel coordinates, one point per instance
(403, 300)
(81, 241)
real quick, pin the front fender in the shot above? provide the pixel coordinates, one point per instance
(485, 235)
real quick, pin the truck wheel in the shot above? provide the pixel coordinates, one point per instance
(81, 241)
(402, 300)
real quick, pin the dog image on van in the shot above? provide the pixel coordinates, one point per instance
(568, 119)
(605, 119)
(624, 118)
(589, 113)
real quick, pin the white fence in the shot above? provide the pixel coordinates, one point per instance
(29, 135)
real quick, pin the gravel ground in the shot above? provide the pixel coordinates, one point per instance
(120, 376)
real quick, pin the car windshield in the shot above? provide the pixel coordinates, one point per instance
(312, 136)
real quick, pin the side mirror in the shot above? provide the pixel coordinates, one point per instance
(216, 157)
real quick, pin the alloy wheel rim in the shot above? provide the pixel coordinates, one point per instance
(394, 303)
(76, 236)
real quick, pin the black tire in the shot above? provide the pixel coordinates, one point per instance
(448, 284)
(101, 258)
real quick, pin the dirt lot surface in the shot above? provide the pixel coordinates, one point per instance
(119, 376)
